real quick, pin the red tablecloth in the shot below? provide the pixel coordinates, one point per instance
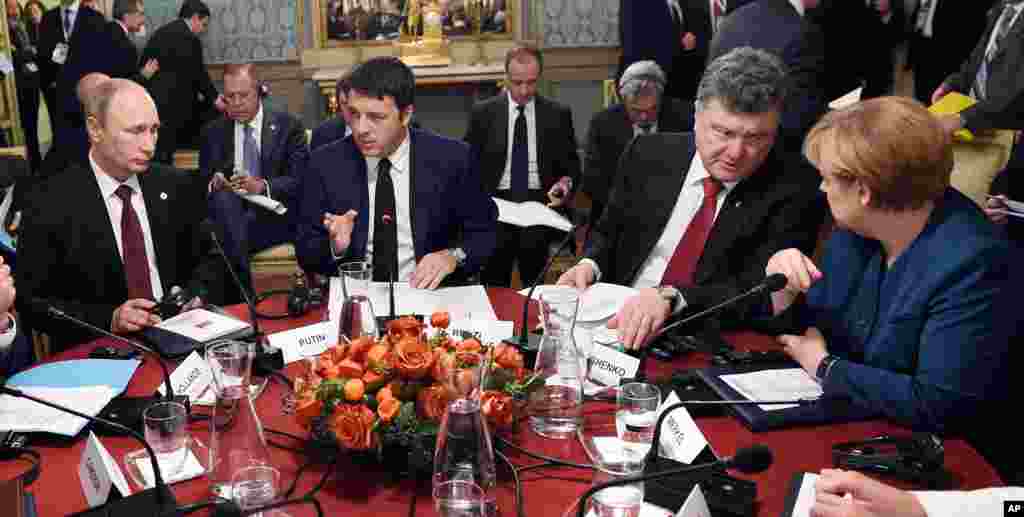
(358, 490)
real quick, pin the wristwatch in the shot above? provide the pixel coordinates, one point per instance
(459, 254)
(824, 366)
(672, 295)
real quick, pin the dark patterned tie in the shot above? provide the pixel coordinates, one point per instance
(520, 166)
(385, 228)
(67, 24)
(251, 152)
(133, 245)
(683, 263)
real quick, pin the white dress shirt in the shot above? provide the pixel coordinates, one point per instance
(691, 196)
(955, 503)
(926, 18)
(400, 179)
(798, 5)
(1012, 10)
(637, 130)
(114, 207)
(531, 138)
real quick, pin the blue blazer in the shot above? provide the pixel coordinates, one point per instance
(925, 342)
(328, 131)
(283, 151)
(448, 204)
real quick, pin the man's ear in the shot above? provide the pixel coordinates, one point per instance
(406, 115)
(864, 194)
(94, 128)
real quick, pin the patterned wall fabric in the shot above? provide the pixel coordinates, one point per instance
(581, 23)
(240, 30)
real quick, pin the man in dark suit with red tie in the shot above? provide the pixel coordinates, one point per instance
(102, 241)
(525, 147)
(265, 150)
(406, 200)
(694, 218)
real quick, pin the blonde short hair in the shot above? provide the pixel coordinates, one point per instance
(892, 145)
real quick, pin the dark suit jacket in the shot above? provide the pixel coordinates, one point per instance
(283, 152)
(328, 131)
(647, 31)
(688, 65)
(19, 356)
(956, 27)
(182, 73)
(557, 153)
(449, 209)
(775, 26)
(51, 32)
(610, 133)
(1004, 102)
(68, 255)
(124, 57)
(925, 341)
(778, 207)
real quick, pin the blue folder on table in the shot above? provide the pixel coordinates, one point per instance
(823, 411)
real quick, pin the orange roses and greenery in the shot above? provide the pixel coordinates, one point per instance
(372, 393)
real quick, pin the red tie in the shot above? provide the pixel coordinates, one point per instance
(717, 7)
(683, 263)
(136, 265)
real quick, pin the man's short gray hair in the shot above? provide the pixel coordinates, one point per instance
(640, 79)
(745, 80)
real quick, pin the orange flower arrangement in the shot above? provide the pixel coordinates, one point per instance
(372, 392)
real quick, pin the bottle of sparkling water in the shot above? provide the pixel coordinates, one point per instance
(555, 409)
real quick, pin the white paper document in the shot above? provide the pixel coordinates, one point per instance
(203, 325)
(530, 213)
(265, 202)
(805, 497)
(780, 384)
(597, 302)
(647, 510)
(470, 302)
(26, 416)
(191, 469)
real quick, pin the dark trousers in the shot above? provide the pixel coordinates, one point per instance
(931, 67)
(50, 96)
(28, 107)
(527, 246)
(246, 229)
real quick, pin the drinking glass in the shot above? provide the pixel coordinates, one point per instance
(458, 498)
(357, 315)
(231, 365)
(556, 409)
(618, 501)
(636, 413)
(256, 486)
(164, 429)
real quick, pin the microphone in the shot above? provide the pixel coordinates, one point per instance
(389, 219)
(257, 334)
(749, 460)
(652, 455)
(41, 305)
(153, 501)
(770, 284)
(526, 341)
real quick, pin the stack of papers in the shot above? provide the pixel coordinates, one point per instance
(25, 416)
(530, 213)
(597, 302)
(1013, 208)
(462, 303)
(780, 384)
(202, 325)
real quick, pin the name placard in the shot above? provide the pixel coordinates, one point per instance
(681, 439)
(192, 377)
(300, 343)
(98, 472)
(608, 366)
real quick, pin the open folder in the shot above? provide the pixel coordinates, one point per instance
(953, 103)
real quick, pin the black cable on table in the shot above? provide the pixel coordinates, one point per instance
(549, 459)
(518, 486)
(287, 435)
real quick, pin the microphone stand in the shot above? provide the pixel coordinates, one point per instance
(140, 503)
(257, 333)
(526, 341)
(59, 314)
(766, 285)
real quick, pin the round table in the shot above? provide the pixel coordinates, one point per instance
(357, 490)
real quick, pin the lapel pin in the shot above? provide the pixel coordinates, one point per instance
(163, 196)
(273, 128)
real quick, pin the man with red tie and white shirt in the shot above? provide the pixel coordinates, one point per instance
(103, 241)
(694, 218)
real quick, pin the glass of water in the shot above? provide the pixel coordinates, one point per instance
(458, 498)
(635, 415)
(256, 486)
(618, 501)
(164, 427)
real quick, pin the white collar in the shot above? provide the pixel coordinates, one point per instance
(512, 105)
(257, 120)
(698, 172)
(799, 6)
(73, 7)
(122, 26)
(108, 184)
(399, 158)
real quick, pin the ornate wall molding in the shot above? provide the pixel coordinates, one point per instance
(580, 23)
